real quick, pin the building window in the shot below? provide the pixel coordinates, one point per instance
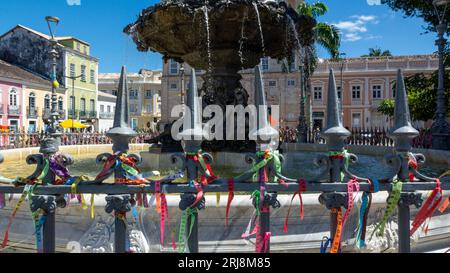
(339, 92)
(133, 94)
(148, 94)
(317, 93)
(265, 63)
(356, 120)
(356, 92)
(78, 47)
(92, 76)
(173, 67)
(72, 103)
(102, 109)
(92, 104)
(85, 50)
(83, 73)
(83, 104)
(60, 104)
(173, 86)
(47, 102)
(148, 108)
(272, 83)
(376, 91)
(291, 82)
(72, 70)
(114, 92)
(32, 101)
(13, 97)
(108, 108)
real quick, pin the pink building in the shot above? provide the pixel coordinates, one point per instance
(11, 112)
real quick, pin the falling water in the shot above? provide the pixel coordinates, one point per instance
(208, 39)
(292, 24)
(260, 28)
(241, 41)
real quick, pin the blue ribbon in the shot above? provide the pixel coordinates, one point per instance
(376, 185)
(365, 199)
(38, 228)
(134, 211)
(324, 246)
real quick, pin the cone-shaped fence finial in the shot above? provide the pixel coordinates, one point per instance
(193, 133)
(121, 133)
(335, 132)
(264, 134)
(403, 132)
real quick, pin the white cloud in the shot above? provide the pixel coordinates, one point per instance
(354, 29)
(74, 2)
(374, 2)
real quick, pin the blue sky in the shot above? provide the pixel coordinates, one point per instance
(100, 22)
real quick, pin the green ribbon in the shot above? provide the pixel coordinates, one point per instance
(45, 170)
(182, 238)
(392, 204)
(130, 169)
(257, 196)
(346, 157)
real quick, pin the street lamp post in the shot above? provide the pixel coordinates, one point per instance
(343, 58)
(51, 141)
(302, 124)
(441, 129)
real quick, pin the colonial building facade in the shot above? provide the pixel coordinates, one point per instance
(25, 99)
(365, 83)
(145, 95)
(29, 49)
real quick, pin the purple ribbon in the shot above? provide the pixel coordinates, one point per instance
(58, 169)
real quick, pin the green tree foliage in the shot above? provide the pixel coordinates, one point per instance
(418, 8)
(421, 96)
(377, 52)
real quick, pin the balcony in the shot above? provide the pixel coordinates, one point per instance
(92, 114)
(83, 114)
(1, 109)
(62, 114)
(106, 115)
(73, 114)
(32, 112)
(46, 113)
(13, 110)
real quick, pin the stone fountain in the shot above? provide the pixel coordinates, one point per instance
(222, 37)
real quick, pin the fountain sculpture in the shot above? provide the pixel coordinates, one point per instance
(222, 37)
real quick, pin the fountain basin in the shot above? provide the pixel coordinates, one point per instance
(178, 30)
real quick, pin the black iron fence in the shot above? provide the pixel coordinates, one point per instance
(264, 180)
(368, 136)
(30, 140)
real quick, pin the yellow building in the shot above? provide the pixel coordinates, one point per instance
(37, 101)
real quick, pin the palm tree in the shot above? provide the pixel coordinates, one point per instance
(326, 36)
(377, 52)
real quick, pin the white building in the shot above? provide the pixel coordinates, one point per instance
(106, 109)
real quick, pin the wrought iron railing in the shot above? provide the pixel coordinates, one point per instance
(32, 112)
(13, 110)
(402, 184)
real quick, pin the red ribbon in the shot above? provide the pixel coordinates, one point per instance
(428, 208)
(164, 215)
(230, 198)
(445, 204)
(301, 188)
(264, 241)
(412, 163)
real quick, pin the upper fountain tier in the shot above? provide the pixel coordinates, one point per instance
(179, 30)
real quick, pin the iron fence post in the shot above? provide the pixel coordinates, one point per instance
(402, 134)
(120, 205)
(47, 204)
(335, 135)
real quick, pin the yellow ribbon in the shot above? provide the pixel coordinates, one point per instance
(92, 206)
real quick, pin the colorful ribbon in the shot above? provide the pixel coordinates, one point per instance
(428, 208)
(324, 244)
(302, 188)
(337, 236)
(392, 204)
(230, 198)
(27, 192)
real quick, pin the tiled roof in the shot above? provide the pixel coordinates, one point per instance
(14, 72)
